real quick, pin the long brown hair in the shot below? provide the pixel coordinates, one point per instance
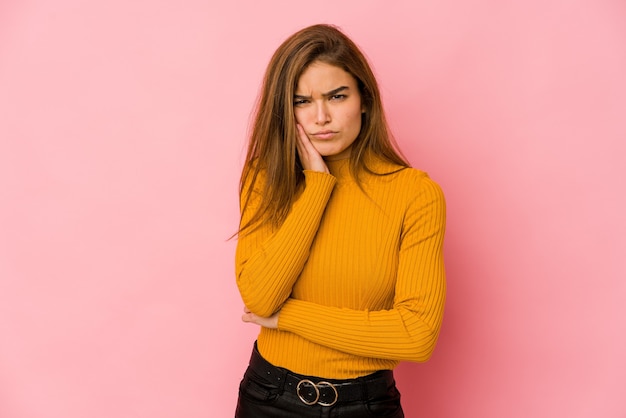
(272, 146)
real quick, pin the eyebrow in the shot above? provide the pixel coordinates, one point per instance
(330, 93)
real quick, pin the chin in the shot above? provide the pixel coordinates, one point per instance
(329, 151)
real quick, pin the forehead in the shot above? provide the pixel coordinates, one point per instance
(322, 77)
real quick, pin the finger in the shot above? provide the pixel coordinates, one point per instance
(309, 156)
(301, 134)
(300, 142)
(307, 152)
(304, 140)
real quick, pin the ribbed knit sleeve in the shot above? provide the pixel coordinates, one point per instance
(268, 262)
(408, 330)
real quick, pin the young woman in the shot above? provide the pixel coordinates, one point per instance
(339, 255)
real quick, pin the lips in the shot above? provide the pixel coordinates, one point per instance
(324, 135)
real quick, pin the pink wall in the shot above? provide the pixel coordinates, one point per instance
(122, 126)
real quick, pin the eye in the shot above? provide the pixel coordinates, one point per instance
(338, 97)
(300, 102)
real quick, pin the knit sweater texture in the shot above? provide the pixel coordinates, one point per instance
(357, 274)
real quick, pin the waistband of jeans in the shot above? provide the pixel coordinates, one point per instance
(316, 390)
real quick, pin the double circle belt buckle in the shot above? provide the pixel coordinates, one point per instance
(312, 397)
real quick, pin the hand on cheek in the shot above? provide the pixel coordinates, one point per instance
(309, 157)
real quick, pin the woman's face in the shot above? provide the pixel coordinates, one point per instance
(327, 104)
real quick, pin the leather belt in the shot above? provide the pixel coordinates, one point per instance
(313, 390)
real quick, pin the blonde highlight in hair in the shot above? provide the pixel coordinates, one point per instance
(272, 143)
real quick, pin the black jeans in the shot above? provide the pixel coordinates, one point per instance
(267, 391)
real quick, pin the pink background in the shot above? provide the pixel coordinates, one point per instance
(122, 129)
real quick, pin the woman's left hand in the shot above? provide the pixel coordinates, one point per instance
(269, 322)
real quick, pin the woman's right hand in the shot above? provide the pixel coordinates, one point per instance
(309, 157)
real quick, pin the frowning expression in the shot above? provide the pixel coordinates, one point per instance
(327, 104)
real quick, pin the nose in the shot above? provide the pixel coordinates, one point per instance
(322, 116)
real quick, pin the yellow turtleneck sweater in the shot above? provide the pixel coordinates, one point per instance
(358, 277)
